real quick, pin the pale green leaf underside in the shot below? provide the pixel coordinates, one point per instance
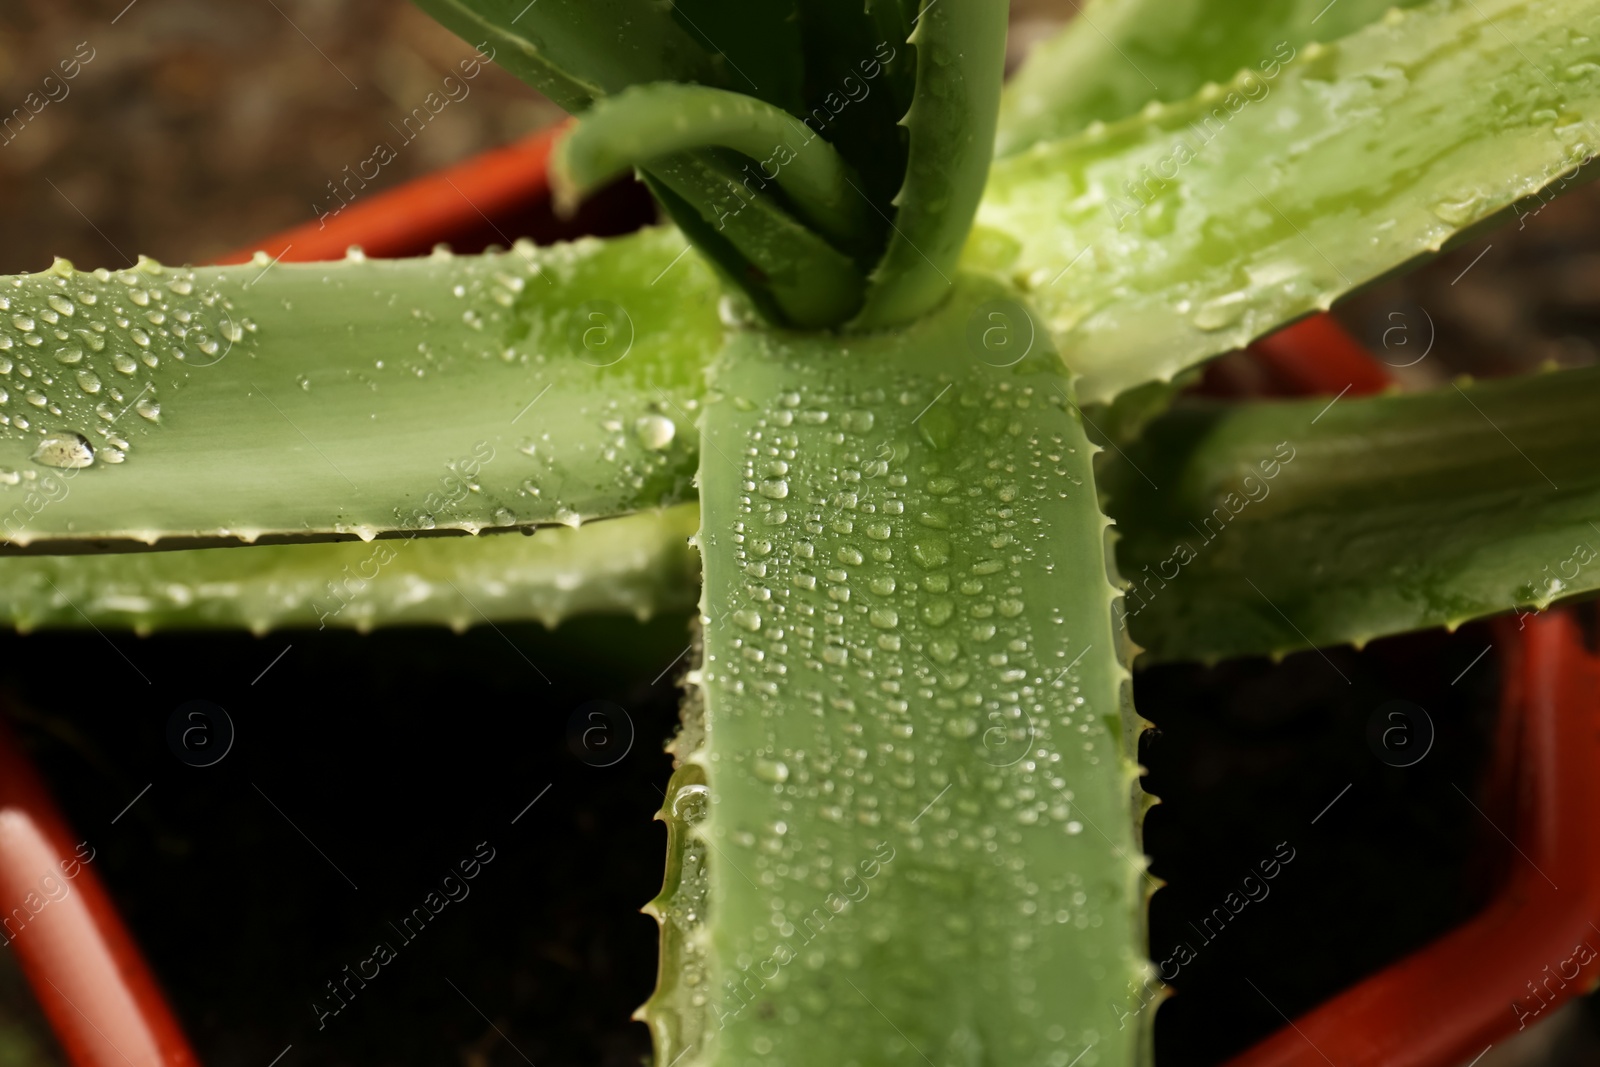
(525, 387)
(1118, 55)
(907, 836)
(639, 565)
(1237, 216)
(1390, 514)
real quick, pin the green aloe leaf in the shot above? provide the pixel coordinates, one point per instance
(1118, 55)
(1266, 528)
(791, 274)
(579, 52)
(758, 43)
(639, 565)
(649, 121)
(960, 47)
(903, 826)
(1161, 240)
(861, 78)
(575, 51)
(308, 401)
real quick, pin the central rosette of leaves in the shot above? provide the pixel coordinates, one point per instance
(826, 156)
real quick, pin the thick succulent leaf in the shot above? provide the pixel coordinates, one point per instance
(791, 274)
(580, 51)
(1118, 55)
(861, 76)
(903, 826)
(649, 121)
(1190, 230)
(639, 565)
(1265, 528)
(893, 20)
(575, 51)
(960, 46)
(305, 401)
(758, 43)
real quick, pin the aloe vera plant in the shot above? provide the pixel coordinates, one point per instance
(896, 319)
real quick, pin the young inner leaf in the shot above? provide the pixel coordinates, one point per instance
(961, 46)
(649, 121)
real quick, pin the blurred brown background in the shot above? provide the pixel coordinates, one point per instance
(201, 125)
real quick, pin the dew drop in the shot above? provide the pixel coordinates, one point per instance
(771, 770)
(857, 421)
(931, 552)
(65, 449)
(1458, 212)
(1222, 312)
(690, 803)
(655, 432)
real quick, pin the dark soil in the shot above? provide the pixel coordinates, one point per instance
(1255, 762)
(364, 770)
(380, 762)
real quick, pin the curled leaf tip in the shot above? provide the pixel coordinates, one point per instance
(650, 122)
